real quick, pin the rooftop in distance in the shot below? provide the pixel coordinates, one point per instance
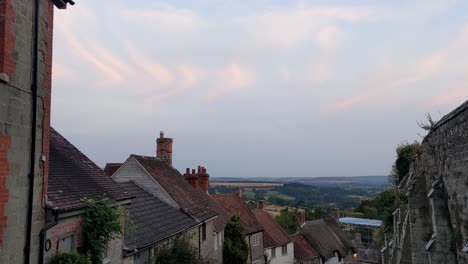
(360, 221)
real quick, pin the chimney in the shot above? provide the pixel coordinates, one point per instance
(239, 191)
(261, 204)
(335, 213)
(192, 178)
(203, 179)
(301, 217)
(164, 149)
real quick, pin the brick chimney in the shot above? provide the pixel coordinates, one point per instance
(164, 149)
(301, 217)
(335, 213)
(261, 204)
(203, 179)
(192, 178)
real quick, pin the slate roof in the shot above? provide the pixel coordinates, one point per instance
(73, 177)
(153, 219)
(326, 237)
(233, 204)
(302, 249)
(111, 168)
(273, 234)
(194, 202)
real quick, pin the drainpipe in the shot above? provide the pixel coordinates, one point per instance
(250, 247)
(32, 169)
(42, 237)
(199, 241)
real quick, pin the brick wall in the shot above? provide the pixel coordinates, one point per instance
(16, 46)
(5, 142)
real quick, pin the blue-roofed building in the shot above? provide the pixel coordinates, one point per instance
(360, 221)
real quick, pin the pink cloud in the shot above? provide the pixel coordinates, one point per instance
(232, 78)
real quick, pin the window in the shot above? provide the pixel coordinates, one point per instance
(203, 232)
(255, 240)
(284, 250)
(142, 257)
(273, 253)
(65, 243)
(220, 238)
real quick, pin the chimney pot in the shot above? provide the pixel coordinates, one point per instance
(261, 204)
(193, 171)
(187, 171)
(300, 217)
(161, 134)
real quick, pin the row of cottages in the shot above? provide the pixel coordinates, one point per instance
(164, 204)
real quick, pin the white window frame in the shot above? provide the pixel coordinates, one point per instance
(284, 250)
(273, 252)
(255, 240)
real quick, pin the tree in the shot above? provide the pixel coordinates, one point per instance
(101, 224)
(178, 252)
(70, 258)
(235, 249)
(287, 220)
(405, 155)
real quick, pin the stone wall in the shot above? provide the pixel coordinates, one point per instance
(16, 33)
(437, 191)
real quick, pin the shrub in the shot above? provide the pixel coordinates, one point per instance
(178, 252)
(70, 258)
(235, 248)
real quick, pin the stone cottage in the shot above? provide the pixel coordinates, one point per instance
(326, 237)
(72, 178)
(154, 224)
(234, 204)
(279, 247)
(157, 176)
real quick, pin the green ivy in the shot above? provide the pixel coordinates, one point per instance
(180, 251)
(70, 258)
(101, 224)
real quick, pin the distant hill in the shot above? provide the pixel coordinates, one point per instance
(344, 182)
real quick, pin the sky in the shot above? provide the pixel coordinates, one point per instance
(257, 88)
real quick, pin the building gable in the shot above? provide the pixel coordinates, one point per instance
(133, 171)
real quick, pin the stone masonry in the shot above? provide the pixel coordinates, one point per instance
(16, 53)
(433, 226)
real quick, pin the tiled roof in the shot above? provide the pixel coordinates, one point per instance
(194, 202)
(73, 177)
(233, 204)
(273, 234)
(302, 249)
(111, 168)
(326, 237)
(223, 216)
(153, 219)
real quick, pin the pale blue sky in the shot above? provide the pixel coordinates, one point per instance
(257, 88)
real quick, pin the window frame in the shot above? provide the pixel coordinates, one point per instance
(284, 250)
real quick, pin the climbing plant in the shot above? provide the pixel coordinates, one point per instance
(101, 223)
(70, 258)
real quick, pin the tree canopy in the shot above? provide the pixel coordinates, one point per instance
(235, 248)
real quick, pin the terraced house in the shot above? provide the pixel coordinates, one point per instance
(189, 194)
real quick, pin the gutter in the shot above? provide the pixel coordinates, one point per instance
(32, 168)
(42, 236)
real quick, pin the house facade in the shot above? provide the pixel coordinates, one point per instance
(234, 204)
(25, 93)
(157, 176)
(72, 178)
(279, 247)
